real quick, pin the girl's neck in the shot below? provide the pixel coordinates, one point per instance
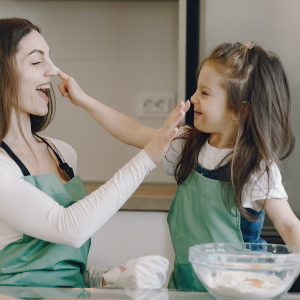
(221, 141)
(14, 135)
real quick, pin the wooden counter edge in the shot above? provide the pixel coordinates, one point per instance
(148, 197)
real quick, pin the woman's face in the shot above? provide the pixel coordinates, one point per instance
(35, 70)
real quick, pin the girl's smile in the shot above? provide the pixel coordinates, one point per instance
(197, 113)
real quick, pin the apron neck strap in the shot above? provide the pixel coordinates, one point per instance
(62, 164)
(15, 158)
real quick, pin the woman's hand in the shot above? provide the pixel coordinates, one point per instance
(160, 144)
(69, 88)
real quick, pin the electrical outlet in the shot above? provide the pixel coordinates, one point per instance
(154, 105)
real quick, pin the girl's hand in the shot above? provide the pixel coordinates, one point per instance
(161, 143)
(69, 88)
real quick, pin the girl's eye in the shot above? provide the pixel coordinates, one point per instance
(37, 63)
(204, 93)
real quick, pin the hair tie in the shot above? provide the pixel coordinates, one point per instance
(249, 45)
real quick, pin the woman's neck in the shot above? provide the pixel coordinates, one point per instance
(15, 136)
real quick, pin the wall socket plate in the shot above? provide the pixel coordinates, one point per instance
(151, 105)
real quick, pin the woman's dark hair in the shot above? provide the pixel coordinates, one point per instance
(258, 93)
(12, 31)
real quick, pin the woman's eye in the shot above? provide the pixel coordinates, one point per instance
(37, 63)
(204, 93)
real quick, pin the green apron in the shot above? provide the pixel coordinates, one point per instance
(197, 216)
(33, 262)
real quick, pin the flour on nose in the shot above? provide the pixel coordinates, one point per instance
(56, 68)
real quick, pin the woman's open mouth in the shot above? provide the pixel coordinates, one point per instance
(43, 91)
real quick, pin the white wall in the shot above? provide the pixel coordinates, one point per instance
(275, 25)
(115, 50)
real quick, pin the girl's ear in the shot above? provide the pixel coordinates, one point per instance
(244, 112)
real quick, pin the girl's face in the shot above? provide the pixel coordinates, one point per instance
(35, 70)
(211, 112)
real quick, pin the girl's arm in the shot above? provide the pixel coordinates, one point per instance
(122, 127)
(284, 220)
(269, 185)
(117, 124)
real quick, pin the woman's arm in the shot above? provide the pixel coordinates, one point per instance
(284, 220)
(117, 124)
(32, 212)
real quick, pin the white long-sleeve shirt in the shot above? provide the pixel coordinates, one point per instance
(24, 209)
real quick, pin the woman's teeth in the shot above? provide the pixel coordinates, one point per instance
(43, 87)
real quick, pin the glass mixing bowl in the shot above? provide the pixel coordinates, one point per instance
(246, 270)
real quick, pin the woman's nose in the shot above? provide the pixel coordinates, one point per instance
(51, 70)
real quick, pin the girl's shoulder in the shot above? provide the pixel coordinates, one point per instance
(171, 158)
(179, 141)
(266, 180)
(65, 150)
(264, 185)
(274, 172)
(183, 129)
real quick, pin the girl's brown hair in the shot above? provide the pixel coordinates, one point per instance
(12, 30)
(258, 93)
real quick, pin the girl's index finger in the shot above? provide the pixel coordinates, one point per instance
(62, 75)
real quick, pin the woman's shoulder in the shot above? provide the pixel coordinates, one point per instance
(67, 151)
(60, 145)
(7, 165)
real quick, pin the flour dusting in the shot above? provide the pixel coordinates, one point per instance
(249, 284)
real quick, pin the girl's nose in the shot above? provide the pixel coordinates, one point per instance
(194, 99)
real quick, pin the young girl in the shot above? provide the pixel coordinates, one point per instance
(226, 165)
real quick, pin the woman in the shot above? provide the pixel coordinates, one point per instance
(46, 218)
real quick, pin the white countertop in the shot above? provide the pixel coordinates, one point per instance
(109, 293)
